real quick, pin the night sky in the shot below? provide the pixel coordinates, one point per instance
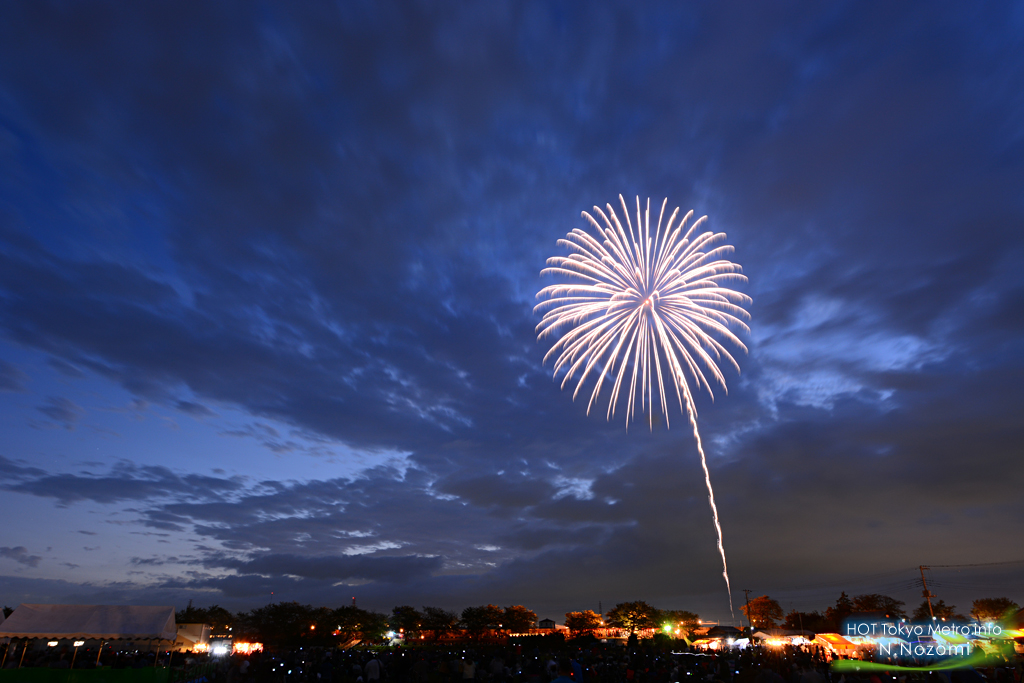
(267, 277)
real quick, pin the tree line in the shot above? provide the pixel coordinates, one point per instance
(291, 624)
(763, 612)
(631, 617)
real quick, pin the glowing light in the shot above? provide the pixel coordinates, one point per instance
(246, 648)
(219, 650)
(652, 303)
(53, 643)
(79, 643)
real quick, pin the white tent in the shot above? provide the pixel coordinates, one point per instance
(105, 622)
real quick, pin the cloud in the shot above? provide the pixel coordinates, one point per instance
(125, 481)
(62, 410)
(20, 555)
(65, 368)
(11, 378)
(331, 221)
(194, 409)
(337, 568)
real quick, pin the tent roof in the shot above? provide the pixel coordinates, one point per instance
(109, 622)
(835, 640)
(781, 633)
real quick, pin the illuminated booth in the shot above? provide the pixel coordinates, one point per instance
(74, 625)
(837, 644)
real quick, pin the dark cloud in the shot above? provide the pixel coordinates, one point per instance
(61, 410)
(331, 219)
(11, 378)
(125, 481)
(20, 555)
(158, 561)
(337, 568)
(194, 409)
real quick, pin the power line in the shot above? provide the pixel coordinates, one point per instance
(979, 564)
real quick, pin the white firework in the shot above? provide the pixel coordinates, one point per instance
(652, 303)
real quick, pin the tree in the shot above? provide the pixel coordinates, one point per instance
(678, 617)
(439, 621)
(217, 617)
(190, 615)
(518, 619)
(763, 612)
(375, 626)
(476, 620)
(632, 615)
(808, 621)
(406, 619)
(874, 602)
(985, 609)
(8, 611)
(940, 610)
(283, 624)
(581, 623)
(839, 613)
(352, 622)
(322, 625)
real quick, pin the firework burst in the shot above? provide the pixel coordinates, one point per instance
(650, 302)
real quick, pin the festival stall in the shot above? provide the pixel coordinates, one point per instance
(837, 644)
(64, 625)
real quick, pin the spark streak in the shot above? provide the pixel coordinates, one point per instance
(649, 303)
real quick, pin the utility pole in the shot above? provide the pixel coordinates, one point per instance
(746, 596)
(926, 593)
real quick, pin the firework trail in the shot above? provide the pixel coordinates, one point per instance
(649, 303)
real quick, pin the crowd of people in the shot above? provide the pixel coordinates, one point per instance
(599, 663)
(530, 662)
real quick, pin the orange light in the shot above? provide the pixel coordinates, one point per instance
(247, 648)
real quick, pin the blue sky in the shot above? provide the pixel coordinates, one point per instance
(267, 275)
